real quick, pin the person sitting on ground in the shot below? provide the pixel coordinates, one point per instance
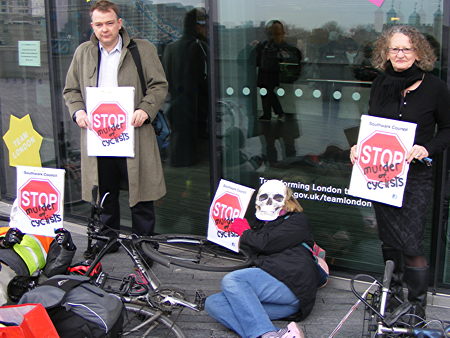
(26, 255)
(285, 278)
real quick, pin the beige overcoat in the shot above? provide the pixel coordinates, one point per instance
(145, 173)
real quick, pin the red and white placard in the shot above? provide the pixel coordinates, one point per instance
(380, 171)
(39, 206)
(110, 110)
(230, 202)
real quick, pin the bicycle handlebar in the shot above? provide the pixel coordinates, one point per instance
(388, 271)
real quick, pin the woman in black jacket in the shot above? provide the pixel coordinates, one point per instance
(406, 90)
(285, 278)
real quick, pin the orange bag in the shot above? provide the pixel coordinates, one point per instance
(32, 322)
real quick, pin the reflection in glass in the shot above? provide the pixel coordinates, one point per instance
(308, 147)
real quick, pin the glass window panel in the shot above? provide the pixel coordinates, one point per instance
(24, 86)
(296, 121)
(186, 161)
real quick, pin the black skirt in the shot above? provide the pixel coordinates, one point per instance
(403, 228)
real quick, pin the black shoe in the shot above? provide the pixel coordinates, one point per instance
(97, 247)
(264, 119)
(415, 317)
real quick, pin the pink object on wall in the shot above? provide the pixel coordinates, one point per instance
(377, 2)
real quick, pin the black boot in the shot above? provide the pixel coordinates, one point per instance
(396, 297)
(417, 282)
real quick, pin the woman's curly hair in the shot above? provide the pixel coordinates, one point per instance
(425, 54)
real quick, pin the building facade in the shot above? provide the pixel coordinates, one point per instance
(216, 120)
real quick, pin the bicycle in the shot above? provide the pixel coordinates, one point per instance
(147, 302)
(380, 323)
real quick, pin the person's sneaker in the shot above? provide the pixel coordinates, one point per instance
(293, 331)
(282, 118)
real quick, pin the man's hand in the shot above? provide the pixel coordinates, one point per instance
(12, 237)
(82, 119)
(64, 239)
(138, 118)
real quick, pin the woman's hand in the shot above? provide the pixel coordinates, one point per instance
(239, 225)
(354, 153)
(416, 152)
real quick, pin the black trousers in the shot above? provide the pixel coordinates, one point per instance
(269, 101)
(112, 176)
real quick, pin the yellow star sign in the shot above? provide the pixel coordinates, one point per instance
(23, 142)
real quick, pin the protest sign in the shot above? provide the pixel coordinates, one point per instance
(110, 110)
(230, 202)
(39, 206)
(380, 171)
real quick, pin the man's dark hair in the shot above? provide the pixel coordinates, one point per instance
(104, 6)
(269, 27)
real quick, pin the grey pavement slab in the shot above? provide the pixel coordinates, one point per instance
(332, 304)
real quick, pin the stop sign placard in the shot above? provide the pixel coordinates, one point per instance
(382, 157)
(39, 199)
(109, 120)
(225, 209)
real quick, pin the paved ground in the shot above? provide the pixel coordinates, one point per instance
(332, 304)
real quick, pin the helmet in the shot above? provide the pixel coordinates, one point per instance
(19, 285)
(81, 268)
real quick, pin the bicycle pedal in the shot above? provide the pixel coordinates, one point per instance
(200, 298)
(101, 280)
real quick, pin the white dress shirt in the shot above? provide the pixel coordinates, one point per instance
(109, 65)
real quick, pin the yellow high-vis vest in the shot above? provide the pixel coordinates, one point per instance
(32, 249)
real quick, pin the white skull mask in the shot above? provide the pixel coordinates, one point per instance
(270, 200)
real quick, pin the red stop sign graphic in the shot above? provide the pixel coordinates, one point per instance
(109, 120)
(39, 199)
(382, 157)
(225, 209)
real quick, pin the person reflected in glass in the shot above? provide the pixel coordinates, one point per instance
(185, 64)
(336, 59)
(277, 62)
(285, 278)
(407, 91)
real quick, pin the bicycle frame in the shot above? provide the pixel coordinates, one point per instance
(387, 323)
(128, 243)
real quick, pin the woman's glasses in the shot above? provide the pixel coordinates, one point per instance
(406, 51)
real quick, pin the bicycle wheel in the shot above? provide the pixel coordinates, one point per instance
(147, 322)
(194, 252)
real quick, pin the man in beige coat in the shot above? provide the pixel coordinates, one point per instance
(106, 61)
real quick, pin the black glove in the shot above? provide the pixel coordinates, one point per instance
(64, 239)
(12, 237)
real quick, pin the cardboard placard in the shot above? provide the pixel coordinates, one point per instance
(110, 110)
(39, 207)
(230, 202)
(380, 171)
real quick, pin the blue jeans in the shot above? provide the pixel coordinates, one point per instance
(250, 299)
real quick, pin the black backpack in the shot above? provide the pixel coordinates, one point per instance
(78, 308)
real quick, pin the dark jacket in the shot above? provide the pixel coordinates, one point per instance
(277, 63)
(185, 64)
(276, 247)
(428, 106)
